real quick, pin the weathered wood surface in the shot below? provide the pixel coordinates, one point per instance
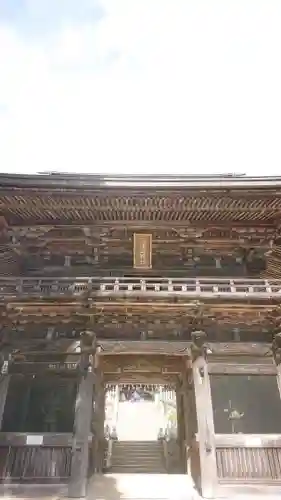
(199, 231)
(183, 251)
(251, 369)
(228, 322)
(195, 231)
(35, 464)
(153, 348)
(206, 432)
(278, 370)
(4, 385)
(181, 426)
(135, 322)
(141, 364)
(224, 349)
(191, 452)
(48, 439)
(44, 367)
(82, 426)
(124, 204)
(249, 465)
(206, 288)
(248, 440)
(141, 378)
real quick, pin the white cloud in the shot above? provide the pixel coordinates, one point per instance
(155, 86)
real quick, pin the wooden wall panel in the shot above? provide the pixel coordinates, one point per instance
(249, 464)
(35, 463)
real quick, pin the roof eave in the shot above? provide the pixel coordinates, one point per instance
(100, 181)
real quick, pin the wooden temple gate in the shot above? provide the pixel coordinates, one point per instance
(175, 282)
(215, 457)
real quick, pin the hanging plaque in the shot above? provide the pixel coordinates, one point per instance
(142, 251)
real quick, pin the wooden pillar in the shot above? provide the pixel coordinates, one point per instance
(116, 404)
(99, 418)
(206, 432)
(179, 414)
(278, 368)
(190, 425)
(187, 440)
(180, 425)
(83, 417)
(82, 426)
(276, 353)
(4, 385)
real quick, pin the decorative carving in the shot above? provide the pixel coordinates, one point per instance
(220, 233)
(198, 346)
(88, 341)
(274, 320)
(88, 344)
(253, 260)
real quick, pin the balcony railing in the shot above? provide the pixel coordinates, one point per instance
(13, 287)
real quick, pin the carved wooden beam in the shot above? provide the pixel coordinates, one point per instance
(141, 364)
(141, 378)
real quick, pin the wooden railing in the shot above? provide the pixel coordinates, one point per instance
(136, 287)
(248, 458)
(35, 458)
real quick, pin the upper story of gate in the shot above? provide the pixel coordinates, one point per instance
(140, 235)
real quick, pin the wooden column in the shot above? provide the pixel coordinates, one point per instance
(82, 426)
(116, 404)
(180, 425)
(4, 385)
(206, 432)
(83, 417)
(179, 413)
(192, 465)
(187, 437)
(276, 353)
(278, 370)
(99, 423)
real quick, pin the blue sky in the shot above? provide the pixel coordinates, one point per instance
(140, 86)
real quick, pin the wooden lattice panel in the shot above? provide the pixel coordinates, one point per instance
(23, 463)
(248, 464)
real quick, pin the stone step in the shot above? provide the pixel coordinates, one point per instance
(141, 453)
(138, 467)
(122, 469)
(138, 444)
(138, 448)
(137, 457)
(132, 453)
(148, 463)
(136, 464)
